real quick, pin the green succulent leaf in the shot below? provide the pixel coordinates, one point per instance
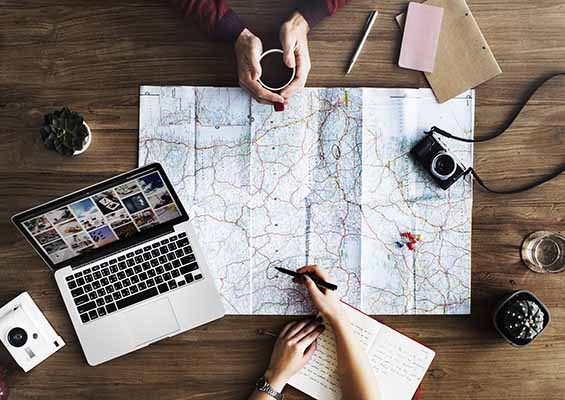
(64, 131)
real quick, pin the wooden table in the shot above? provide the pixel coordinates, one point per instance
(93, 56)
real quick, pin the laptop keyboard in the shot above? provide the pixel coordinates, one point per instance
(133, 277)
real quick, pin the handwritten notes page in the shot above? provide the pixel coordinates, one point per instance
(319, 378)
(399, 362)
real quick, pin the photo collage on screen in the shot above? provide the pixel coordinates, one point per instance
(103, 218)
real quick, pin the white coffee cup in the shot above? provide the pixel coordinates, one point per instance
(278, 106)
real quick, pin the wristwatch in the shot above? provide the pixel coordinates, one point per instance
(263, 385)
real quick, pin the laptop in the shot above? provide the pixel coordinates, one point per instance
(126, 261)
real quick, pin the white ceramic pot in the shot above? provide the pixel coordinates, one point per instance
(87, 141)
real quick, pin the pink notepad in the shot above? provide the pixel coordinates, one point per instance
(421, 35)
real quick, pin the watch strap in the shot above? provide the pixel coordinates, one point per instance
(266, 388)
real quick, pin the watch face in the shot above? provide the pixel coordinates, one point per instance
(261, 383)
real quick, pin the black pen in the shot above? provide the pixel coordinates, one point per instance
(317, 281)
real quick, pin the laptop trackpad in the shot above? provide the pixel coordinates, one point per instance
(152, 321)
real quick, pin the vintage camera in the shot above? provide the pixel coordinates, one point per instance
(440, 163)
(26, 333)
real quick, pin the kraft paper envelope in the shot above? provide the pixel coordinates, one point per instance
(463, 59)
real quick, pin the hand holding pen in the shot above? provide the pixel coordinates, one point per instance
(326, 301)
(298, 277)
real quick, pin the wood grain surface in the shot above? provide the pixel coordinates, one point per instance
(93, 55)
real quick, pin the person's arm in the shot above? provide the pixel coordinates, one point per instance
(315, 11)
(294, 38)
(220, 21)
(294, 41)
(293, 349)
(355, 370)
(356, 374)
(215, 17)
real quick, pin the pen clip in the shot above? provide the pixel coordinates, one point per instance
(369, 18)
(367, 22)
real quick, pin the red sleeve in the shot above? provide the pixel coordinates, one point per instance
(314, 11)
(215, 17)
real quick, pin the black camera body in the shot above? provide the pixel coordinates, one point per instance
(444, 168)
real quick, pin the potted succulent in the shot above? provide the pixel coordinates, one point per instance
(520, 318)
(4, 392)
(66, 132)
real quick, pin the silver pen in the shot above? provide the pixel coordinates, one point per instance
(368, 25)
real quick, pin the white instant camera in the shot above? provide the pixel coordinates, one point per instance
(26, 333)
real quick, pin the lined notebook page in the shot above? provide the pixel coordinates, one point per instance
(400, 362)
(319, 378)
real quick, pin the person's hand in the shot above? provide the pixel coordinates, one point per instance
(248, 50)
(293, 349)
(325, 300)
(294, 40)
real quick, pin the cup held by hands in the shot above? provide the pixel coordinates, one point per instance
(275, 74)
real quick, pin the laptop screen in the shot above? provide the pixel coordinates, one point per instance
(80, 227)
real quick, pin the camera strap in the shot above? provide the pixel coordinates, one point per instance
(491, 136)
(448, 135)
(560, 170)
(486, 138)
(532, 185)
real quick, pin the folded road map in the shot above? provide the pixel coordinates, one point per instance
(328, 181)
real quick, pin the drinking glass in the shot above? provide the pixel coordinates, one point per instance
(544, 252)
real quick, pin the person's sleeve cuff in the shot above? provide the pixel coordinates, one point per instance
(229, 27)
(313, 11)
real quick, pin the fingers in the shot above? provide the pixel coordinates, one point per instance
(311, 350)
(318, 271)
(308, 268)
(254, 65)
(298, 326)
(293, 88)
(261, 94)
(299, 280)
(287, 328)
(252, 57)
(308, 329)
(302, 70)
(302, 334)
(288, 45)
(248, 53)
(311, 337)
(315, 293)
(250, 67)
(297, 84)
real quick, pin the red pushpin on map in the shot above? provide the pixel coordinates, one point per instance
(409, 239)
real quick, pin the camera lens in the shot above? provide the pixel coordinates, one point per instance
(443, 165)
(17, 337)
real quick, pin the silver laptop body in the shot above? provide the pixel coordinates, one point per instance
(127, 262)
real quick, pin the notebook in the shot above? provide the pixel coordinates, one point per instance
(421, 35)
(399, 362)
(464, 59)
